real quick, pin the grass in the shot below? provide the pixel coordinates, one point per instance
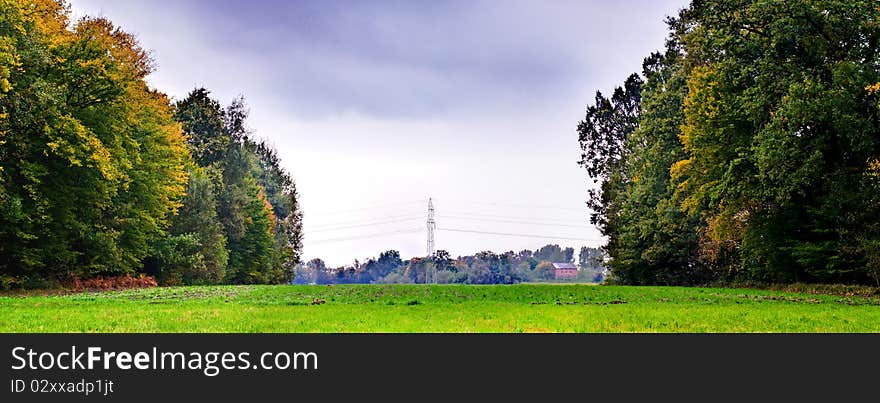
(440, 308)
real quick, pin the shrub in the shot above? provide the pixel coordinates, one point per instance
(110, 283)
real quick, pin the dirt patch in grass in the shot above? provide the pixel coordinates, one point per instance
(840, 290)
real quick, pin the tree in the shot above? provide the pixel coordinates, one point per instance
(656, 241)
(749, 150)
(544, 271)
(78, 122)
(258, 203)
(196, 222)
(603, 137)
(317, 269)
(417, 269)
(442, 260)
(388, 261)
(280, 190)
(249, 221)
(591, 258)
(203, 122)
(568, 254)
(177, 260)
(551, 253)
(780, 133)
(94, 165)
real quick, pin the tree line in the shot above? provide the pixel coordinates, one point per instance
(482, 268)
(747, 150)
(101, 175)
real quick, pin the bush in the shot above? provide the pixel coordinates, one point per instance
(110, 283)
(450, 277)
(395, 278)
(178, 260)
(9, 282)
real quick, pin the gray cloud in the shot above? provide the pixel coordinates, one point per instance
(411, 59)
(399, 100)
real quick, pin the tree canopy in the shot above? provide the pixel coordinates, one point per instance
(102, 175)
(754, 156)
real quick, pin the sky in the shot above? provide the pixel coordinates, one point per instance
(375, 107)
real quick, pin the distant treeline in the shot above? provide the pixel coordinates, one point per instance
(482, 268)
(747, 151)
(102, 176)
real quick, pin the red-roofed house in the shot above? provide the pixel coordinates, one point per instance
(565, 271)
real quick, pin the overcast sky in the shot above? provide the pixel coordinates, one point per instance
(377, 106)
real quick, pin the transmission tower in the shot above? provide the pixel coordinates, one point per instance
(431, 227)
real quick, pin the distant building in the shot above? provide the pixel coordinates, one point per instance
(565, 271)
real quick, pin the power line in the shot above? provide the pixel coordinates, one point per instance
(408, 231)
(358, 224)
(458, 215)
(480, 215)
(364, 220)
(518, 235)
(373, 207)
(497, 204)
(514, 222)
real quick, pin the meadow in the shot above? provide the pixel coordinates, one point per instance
(440, 308)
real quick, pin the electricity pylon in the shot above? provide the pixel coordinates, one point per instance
(431, 227)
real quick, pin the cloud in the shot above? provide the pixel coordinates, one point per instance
(382, 101)
(403, 59)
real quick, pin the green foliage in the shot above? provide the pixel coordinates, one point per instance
(591, 258)
(755, 152)
(256, 200)
(554, 253)
(97, 177)
(178, 259)
(543, 271)
(197, 235)
(280, 190)
(603, 136)
(318, 270)
(780, 133)
(249, 222)
(481, 268)
(91, 163)
(203, 123)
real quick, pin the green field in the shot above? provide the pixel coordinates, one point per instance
(440, 308)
